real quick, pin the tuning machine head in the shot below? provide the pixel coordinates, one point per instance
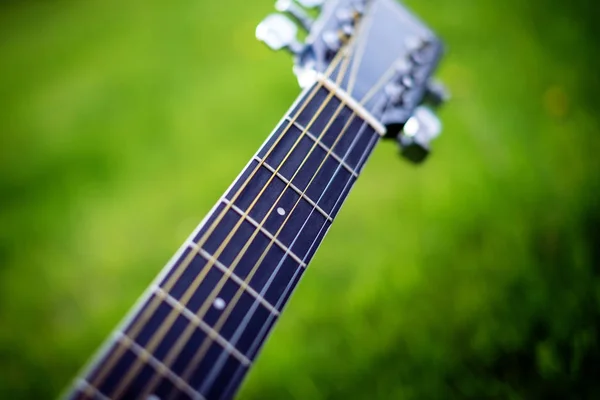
(418, 133)
(296, 12)
(376, 51)
(279, 32)
(329, 26)
(411, 99)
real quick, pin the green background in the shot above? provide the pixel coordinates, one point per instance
(474, 276)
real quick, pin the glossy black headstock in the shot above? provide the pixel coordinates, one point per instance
(378, 52)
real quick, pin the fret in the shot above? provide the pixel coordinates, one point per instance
(295, 209)
(263, 230)
(295, 189)
(227, 272)
(349, 145)
(230, 222)
(224, 296)
(113, 386)
(213, 334)
(303, 162)
(309, 116)
(328, 178)
(182, 364)
(323, 146)
(157, 367)
(266, 271)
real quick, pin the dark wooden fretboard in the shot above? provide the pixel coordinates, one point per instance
(201, 324)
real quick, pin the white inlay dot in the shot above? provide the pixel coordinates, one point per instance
(153, 397)
(281, 211)
(219, 303)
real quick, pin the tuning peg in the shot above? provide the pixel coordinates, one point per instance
(418, 133)
(437, 93)
(297, 12)
(311, 3)
(279, 32)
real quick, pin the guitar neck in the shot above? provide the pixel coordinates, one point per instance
(201, 324)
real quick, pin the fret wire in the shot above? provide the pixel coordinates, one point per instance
(178, 270)
(208, 257)
(186, 312)
(324, 147)
(295, 188)
(258, 339)
(266, 233)
(147, 357)
(205, 269)
(201, 352)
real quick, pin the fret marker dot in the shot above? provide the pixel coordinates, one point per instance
(153, 397)
(281, 211)
(219, 303)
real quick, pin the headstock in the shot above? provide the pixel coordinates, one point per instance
(376, 51)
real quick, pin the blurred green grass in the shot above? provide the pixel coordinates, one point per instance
(475, 276)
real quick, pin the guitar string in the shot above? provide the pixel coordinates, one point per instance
(199, 355)
(223, 355)
(207, 341)
(225, 210)
(259, 338)
(154, 341)
(136, 326)
(387, 75)
(181, 341)
(178, 270)
(230, 390)
(290, 151)
(160, 333)
(175, 351)
(238, 331)
(365, 28)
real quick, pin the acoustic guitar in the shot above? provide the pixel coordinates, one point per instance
(365, 69)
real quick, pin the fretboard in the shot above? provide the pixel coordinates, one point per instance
(201, 324)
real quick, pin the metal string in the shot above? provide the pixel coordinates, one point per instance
(246, 319)
(107, 366)
(259, 338)
(206, 235)
(208, 340)
(159, 334)
(174, 352)
(223, 357)
(205, 345)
